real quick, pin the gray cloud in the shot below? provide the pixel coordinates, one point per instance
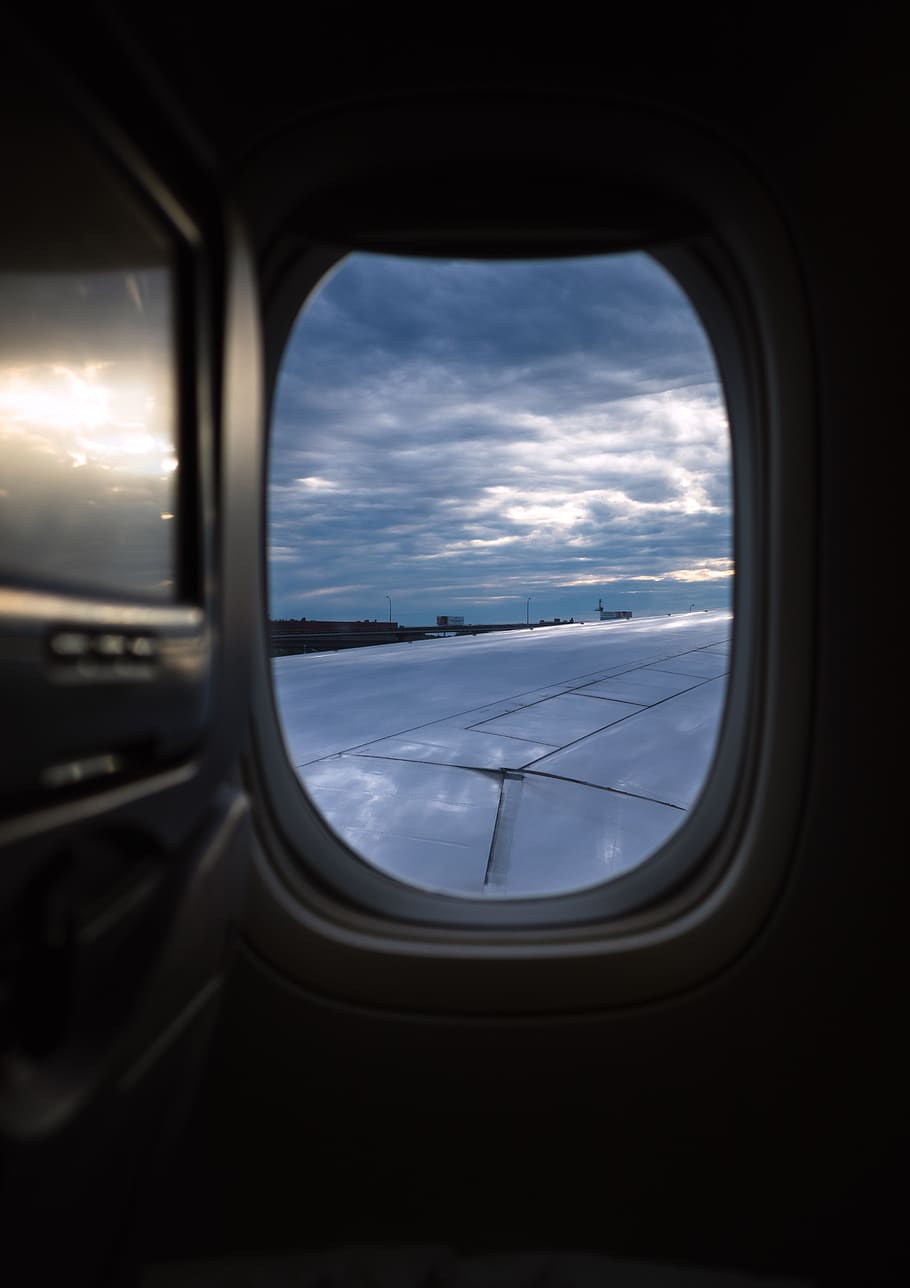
(468, 434)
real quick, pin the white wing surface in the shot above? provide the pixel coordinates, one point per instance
(512, 764)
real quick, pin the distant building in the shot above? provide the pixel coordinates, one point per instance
(612, 615)
(298, 635)
(302, 626)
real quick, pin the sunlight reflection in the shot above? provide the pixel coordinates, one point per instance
(88, 431)
(88, 415)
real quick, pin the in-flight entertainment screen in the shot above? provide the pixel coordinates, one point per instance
(88, 431)
(89, 439)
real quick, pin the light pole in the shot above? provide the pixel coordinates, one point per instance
(389, 598)
(528, 612)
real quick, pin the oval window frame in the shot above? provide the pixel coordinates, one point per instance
(318, 912)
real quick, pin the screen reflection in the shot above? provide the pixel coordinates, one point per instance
(88, 431)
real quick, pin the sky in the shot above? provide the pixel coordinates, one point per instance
(461, 437)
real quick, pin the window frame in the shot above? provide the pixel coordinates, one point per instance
(323, 915)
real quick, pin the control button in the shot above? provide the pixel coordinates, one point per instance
(100, 654)
(69, 644)
(110, 645)
(142, 646)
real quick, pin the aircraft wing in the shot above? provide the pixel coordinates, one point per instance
(517, 763)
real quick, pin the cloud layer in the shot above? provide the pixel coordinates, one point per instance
(459, 436)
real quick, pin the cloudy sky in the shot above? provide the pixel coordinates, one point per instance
(455, 437)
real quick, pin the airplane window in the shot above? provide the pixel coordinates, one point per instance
(500, 565)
